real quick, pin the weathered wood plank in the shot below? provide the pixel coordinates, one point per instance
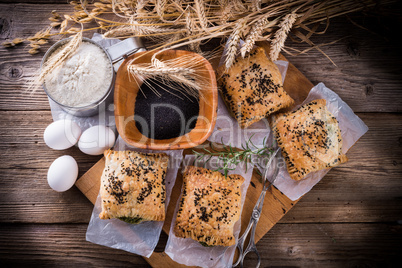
(23, 131)
(58, 246)
(362, 190)
(366, 75)
(16, 65)
(360, 198)
(295, 245)
(331, 245)
(26, 197)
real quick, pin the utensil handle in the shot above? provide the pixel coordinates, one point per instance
(125, 48)
(242, 239)
(251, 247)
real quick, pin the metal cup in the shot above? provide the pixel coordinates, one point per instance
(115, 54)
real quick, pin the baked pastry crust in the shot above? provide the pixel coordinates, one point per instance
(252, 88)
(133, 185)
(310, 139)
(209, 206)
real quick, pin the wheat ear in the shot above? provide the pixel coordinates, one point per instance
(255, 33)
(234, 39)
(160, 6)
(152, 71)
(256, 5)
(191, 28)
(225, 11)
(184, 69)
(131, 30)
(140, 8)
(238, 5)
(56, 60)
(281, 34)
(200, 8)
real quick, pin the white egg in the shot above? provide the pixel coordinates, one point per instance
(95, 140)
(62, 173)
(62, 134)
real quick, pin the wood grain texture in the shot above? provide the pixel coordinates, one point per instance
(363, 189)
(287, 245)
(367, 74)
(56, 246)
(349, 219)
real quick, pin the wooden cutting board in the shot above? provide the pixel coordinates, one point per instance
(276, 204)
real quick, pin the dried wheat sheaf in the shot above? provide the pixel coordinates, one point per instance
(165, 24)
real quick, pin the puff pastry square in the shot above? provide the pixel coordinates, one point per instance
(133, 186)
(310, 139)
(209, 207)
(252, 88)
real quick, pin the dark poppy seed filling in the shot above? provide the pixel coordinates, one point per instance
(168, 115)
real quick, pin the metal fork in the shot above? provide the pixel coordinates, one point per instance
(252, 225)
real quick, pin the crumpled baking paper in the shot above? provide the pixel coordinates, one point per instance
(190, 252)
(141, 238)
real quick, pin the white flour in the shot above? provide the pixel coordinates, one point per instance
(83, 79)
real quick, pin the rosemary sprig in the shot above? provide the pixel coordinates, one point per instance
(230, 157)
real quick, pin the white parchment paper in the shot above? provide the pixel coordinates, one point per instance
(190, 252)
(142, 238)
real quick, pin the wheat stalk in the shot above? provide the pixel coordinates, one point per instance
(191, 29)
(238, 6)
(225, 13)
(255, 33)
(281, 34)
(160, 6)
(57, 59)
(185, 69)
(140, 7)
(152, 70)
(165, 22)
(234, 42)
(256, 5)
(133, 29)
(167, 70)
(200, 9)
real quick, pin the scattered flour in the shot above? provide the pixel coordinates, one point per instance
(83, 79)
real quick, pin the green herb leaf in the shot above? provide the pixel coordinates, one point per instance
(131, 220)
(205, 244)
(230, 157)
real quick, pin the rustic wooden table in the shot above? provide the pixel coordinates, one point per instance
(351, 218)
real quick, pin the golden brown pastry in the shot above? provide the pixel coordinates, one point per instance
(133, 186)
(209, 207)
(252, 88)
(310, 139)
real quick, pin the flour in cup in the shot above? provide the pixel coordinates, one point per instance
(82, 79)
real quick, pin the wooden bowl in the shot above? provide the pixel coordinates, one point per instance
(127, 88)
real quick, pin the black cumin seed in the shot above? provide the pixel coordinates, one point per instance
(167, 122)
